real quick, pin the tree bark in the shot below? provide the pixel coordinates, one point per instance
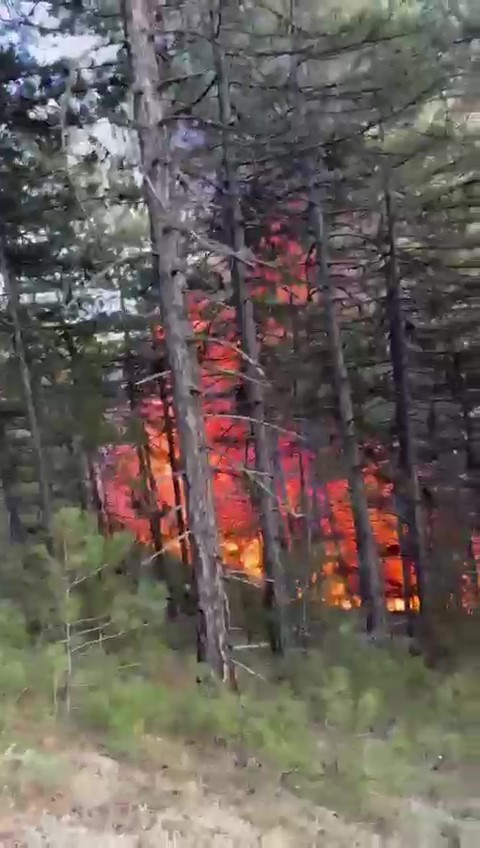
(43, 482)
(168, 427)
(275, 590)
(370, 569)
(149, 494)
(96, 489)
(18, 534)
(459, 391)
(413, 535)
(144, 21)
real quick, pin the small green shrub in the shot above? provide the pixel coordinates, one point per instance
(352, 719)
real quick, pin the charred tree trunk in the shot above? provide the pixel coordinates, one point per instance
(275, 590)
(151, 89)
(20, 352)
(370, 569)
(413, 535)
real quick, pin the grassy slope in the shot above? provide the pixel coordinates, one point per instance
(368, 733)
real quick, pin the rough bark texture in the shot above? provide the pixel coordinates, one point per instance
(145, 20)
(415, 535)
(275, 592)
(13, 303)
(370, 569)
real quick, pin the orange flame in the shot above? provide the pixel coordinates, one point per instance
(228, 437)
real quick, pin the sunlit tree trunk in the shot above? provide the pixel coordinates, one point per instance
(275, 590)
(145, 22)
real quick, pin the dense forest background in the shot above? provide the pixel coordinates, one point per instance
(239, 317)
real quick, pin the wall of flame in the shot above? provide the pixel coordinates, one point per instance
(228, 437)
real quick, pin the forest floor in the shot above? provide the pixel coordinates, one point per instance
(61, 793)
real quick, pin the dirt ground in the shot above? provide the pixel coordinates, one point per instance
(84, 799)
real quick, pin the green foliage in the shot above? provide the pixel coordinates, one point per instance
(13, 631)
(350, 721)
(387, 719)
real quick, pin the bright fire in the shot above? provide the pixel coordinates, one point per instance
(333, 552)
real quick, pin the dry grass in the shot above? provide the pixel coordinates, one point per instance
(182, 795)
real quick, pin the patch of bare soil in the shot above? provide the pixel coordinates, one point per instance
(192, 798)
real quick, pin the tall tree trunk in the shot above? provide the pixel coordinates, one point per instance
(413, 535)
(151, 88)
(370, 569)
(275, 590)
(372, 588)
(20, 352)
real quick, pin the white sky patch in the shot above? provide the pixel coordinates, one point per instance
(47, 47)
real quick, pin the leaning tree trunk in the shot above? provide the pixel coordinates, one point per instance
(151, 87)
(370, 569)
(275, 591)
(11, 291)
(414, 533)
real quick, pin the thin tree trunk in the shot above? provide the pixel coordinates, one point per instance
(372, 587)
(88, 496)
(149, 494)
(459, 388)
(370, 569)
(304, 499)
(275, 590)
(152, 102)
(18, 534)
(97, 490)
(415, 530)
(20, 351)
(149, 499)
(287, 527)
(401, 513)
(176, 485)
